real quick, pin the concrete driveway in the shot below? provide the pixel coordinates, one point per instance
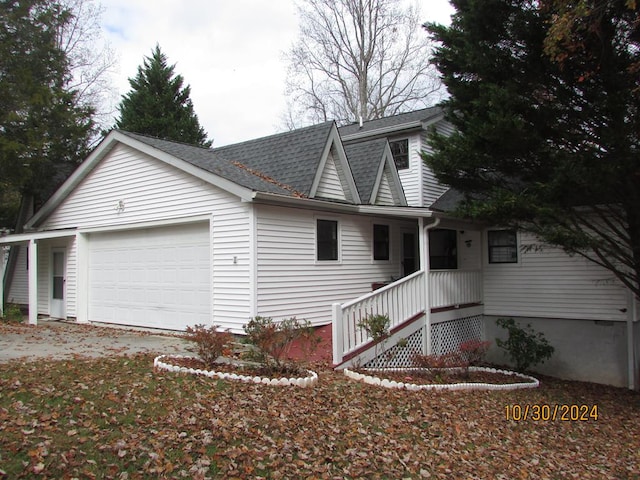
(62, 340)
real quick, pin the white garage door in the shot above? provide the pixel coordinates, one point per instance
(151, 278)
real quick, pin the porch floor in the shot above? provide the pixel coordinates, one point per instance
(324, 351)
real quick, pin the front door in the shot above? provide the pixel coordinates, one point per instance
(410, 261)
(57, 304)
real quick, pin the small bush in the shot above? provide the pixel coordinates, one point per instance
(12, 313)
(211, 343)
(474, 351)
(273, 340)
(524, 346)
(376, 325)
(433, 361)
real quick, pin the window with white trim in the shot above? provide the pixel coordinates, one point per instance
(326, 239)
(503, 246)
(380, 242)
(400, 152)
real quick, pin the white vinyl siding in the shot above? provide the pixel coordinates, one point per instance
(154, 191)
(432, 189)
(410, 177)
(551, 284)
(290, 280)
(19, 291)
(149, 189)
(384, 196)
(330, 185)
(231, 256)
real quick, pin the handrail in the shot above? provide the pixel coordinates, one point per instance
(400, 300)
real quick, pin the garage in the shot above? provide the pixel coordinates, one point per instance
(155, 277)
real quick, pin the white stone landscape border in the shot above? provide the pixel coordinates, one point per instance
(373, 380)
(307, 381)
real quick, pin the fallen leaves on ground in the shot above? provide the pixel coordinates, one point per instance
(117, 418)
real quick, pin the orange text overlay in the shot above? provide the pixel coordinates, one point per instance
(551, 413)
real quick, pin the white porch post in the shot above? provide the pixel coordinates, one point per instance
(424, 265)
(337, 332)
(33, 282)
(2, 270)
(632, 316)
(82, 284)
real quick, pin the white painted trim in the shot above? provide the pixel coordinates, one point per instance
(390, 260)
(212, 272)
(33, 282)
(2, 270)
(82, 282)
(52, 253)
(50, 234)
(105, 147)
(315, 239)
(152, 224)
(45, 235)
(334, 207)
(456, 314)
(420, 172)
(393, 129)
(334, 140)
(253, 259)
(423, 241)
(398, 190)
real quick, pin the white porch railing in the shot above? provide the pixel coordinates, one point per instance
(400, 300)
(449, 288)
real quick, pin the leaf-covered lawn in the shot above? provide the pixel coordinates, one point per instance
(117, 418)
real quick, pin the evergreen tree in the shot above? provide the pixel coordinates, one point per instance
(44, 131)
(547, 123)
(159, 106)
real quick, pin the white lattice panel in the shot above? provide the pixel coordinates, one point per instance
(399, 356)
(447, 336)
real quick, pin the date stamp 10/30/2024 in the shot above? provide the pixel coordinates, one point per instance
(551, 413)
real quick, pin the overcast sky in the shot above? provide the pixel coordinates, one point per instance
(229, 51)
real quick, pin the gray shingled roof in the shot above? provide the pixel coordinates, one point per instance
(448, 201)
(388, 122)
(365, 158)
(291, 157)
(285, 163)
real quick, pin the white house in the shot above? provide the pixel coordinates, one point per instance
(307, 223)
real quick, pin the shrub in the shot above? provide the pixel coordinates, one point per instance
(273, 340)
(376, 325)
(474, 351)
(12, 313)
(433, 361)
(524, 346)
(211, 343)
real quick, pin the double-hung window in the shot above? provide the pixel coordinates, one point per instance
(503, 246)
(400, 152)
(326, 240)
(381, 242)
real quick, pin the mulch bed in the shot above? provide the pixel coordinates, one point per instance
(443, 376)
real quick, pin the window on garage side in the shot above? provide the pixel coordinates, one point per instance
(400, 152)
(503, 246)
(326, 240)
(381, 242)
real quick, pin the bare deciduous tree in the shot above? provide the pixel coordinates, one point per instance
(358, 59)
(91, 59)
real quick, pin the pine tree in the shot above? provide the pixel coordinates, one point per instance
(44, 131)
(547, 138)
(159, 105)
